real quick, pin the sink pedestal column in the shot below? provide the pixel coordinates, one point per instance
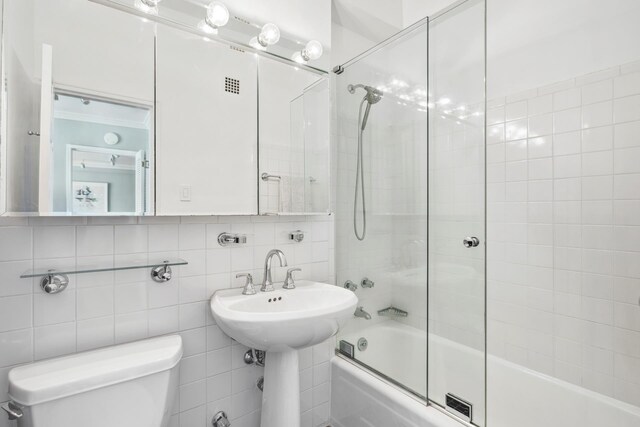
(281, 394)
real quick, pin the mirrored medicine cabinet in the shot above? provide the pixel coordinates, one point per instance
(105, 112)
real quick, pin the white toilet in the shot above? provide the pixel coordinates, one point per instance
(129, 385)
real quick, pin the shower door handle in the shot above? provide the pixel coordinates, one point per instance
(470, 242)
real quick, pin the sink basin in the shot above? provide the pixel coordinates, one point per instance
(282, 322)
(285, 319)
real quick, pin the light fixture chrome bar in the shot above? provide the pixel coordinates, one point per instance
(194, 30)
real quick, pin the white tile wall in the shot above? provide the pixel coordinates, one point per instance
(456, 210)
(109, 308)
(393, 253)
(563, 180)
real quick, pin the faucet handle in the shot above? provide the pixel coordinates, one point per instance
(366, 283)
(350, 285)
(248, 286)
(288, 282)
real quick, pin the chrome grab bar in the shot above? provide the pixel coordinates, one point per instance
(266, 177)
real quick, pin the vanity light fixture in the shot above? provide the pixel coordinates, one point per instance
(269, 35)
(217, 16)
(147, 6)
(312, 51)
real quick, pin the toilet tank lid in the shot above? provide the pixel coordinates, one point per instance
(65, 376)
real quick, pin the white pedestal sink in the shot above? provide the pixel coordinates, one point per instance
(282, 322)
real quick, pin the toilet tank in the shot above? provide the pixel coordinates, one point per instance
(128, 385)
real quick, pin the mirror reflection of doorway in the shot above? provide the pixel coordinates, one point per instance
(99, 156)
(100, 180)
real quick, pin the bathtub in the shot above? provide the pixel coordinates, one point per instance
(360, 399)
(401, 343)
(516, 396)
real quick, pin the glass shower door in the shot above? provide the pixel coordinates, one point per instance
(457, 211)
(381, 227)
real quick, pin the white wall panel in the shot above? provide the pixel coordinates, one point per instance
(206, 136)
(96, 48)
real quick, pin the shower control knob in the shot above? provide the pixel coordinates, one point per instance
(366, 283)
(350, 285)
(470, 242)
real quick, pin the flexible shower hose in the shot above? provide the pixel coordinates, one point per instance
(360, 182)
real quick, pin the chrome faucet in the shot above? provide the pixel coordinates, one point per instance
(361, 313)
(267, 282)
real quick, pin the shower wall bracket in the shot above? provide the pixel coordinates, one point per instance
(391, 311)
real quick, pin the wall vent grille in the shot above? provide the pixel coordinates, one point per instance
(231, 85)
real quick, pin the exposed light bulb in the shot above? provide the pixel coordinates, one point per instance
(312, 51)
(269, 35)
(217, 14)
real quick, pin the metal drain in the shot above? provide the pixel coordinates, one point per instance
(363, 344)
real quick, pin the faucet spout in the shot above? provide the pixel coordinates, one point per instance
(361, 313)
(267, 281)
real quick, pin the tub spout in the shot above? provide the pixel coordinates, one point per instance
(361, 313)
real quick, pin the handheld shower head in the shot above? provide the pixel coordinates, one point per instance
(373, 96)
